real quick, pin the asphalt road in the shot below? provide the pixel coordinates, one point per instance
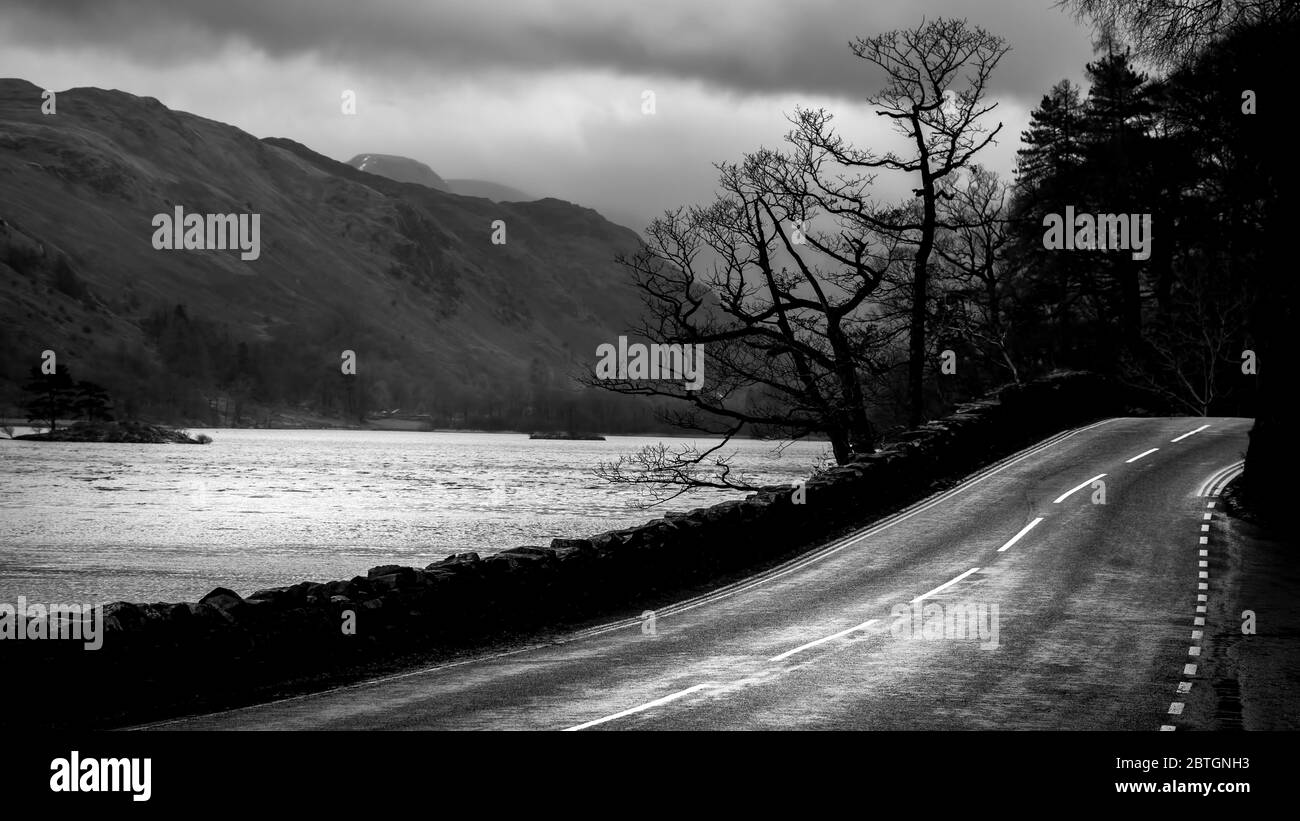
(1096, 617)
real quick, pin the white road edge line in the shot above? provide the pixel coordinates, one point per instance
(744, 585)
(943, 586)
(649, 705)
(1140, 455)
(1067, 493)
(803, 647)
(1022, 532)
(1189, 433)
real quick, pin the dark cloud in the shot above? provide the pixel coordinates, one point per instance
(757, 46)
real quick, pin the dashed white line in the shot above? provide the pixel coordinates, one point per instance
(943, 586)
(1022, 532)
(1067, 493)
(1189, 433)
(803, 647)
(649, 705)
(1193, 651)
(1176, 709)
(1189, 669)
(1140, 455)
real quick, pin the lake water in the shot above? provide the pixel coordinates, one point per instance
(260, 508)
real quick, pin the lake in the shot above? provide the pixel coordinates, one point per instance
(91, 522)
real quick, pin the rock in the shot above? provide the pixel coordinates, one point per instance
(223, 599)
(455, 558)
(529, 552)
(571, 544)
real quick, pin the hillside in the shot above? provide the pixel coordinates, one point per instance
(442, 321)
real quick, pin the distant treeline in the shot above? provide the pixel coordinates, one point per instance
(191, 370)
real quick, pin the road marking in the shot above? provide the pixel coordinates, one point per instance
(1022, 532)
(1167, 728)
(1200, 597)
(819, 554)
(1204, 552)
(1204, 564)
(1209, 516)
(1140, 455)
(1184, 686)
(1189, 433)
(1176, 709)
(1210, 505)
(1196, 634)
(1205, 528)
(1205, 540)
(1200, 608)
(1067, 493)
(1202, 586)
(1199, 621)
(744, 585)
(1189, 669)
(1193, 651)
(840, 634)
(943, 586)
(649, 705)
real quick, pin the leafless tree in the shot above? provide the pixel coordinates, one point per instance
(936, 83)
(778, 295)
(1191, 350)
(974, 246)
(1170, 32)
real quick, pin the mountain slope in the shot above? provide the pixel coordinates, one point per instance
(488, 190)
(402, 169)
(441, 319)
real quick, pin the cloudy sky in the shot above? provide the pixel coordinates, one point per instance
(542, 96)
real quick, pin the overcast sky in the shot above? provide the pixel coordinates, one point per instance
(542, 96)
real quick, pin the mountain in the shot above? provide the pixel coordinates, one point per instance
(401, 169)
(441, 320)
(405, 169)
(488, 190)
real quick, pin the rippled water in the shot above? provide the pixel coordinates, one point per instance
(90, 522)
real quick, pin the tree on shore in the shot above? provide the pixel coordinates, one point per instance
(785, 278)
(935, 96)
(55, 396)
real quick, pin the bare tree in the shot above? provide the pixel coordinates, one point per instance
(778, 296)
(936, 83)
(1170, 32)
(1191, 349)
(975, 247)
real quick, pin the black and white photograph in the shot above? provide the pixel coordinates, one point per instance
(884, 373)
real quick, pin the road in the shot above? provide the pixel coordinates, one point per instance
(1097, 610)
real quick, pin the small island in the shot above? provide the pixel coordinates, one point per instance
(591, 437)
(126, 432)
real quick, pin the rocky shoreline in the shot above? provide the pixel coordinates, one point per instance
(164, 659)
(124, 432)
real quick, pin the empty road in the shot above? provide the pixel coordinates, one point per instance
(1092, 554)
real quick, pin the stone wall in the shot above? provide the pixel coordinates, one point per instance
(164, 659)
